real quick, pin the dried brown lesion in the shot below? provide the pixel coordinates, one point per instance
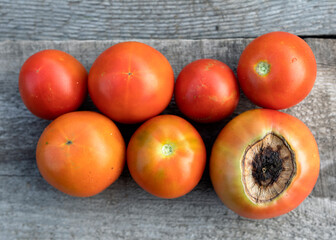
(268, 167)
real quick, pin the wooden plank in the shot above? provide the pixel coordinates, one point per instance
(117, 19)
(31, 209)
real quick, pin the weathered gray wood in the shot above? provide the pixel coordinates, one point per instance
(31, 209)
(117, 19)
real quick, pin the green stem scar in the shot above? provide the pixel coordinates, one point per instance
(167, 150)
(262, 68)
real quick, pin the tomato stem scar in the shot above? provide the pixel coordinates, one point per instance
(167, 149)
(69, 142)
(262, 68)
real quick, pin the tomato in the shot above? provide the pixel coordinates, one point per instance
(166, 156)
(277, 70)
(51, 83)
(264, 163)
(81, 153)
(206, 91)
(131, 82)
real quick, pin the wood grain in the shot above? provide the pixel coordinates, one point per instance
(147, 19)
(31, 209)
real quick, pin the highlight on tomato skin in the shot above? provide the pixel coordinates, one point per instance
(131, 82)
(277, 70)
(166, 156)
(52, 83)
(264, 163)
(81, 153)
(206, 91)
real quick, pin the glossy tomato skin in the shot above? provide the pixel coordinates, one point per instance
(131, 82)
(239, 134)
(81, 153)
(292, 70)
(206, 91)
(166, 156)
(51, 83)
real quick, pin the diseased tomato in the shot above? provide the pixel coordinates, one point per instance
(277, 70)
(166, 156)
(81, 153)
(264, 163)
(52, 83)
(206, 91)
(131, 82)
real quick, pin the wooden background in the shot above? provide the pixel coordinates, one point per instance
(177, 19)
(183, 31)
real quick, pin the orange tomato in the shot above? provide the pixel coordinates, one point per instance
(166, 156)
(264, 163)
(131, 82)
(81, 153)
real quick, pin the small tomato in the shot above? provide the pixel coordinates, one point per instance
(277, 70)
(206, 91)
(51, 83)
(166, 156)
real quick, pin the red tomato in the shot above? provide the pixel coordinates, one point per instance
(206, 91)
(131, 82)
(277, 70)
(81, 153)
(264, 163)
(52, 83)
(166, 156)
